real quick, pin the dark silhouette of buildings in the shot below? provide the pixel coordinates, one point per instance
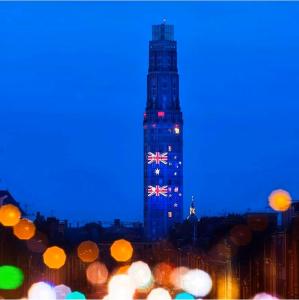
(163, 137)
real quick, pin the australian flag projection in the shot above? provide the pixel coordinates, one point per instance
(163, 137)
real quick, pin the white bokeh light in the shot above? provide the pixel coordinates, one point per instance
(121, 287)
(264, 296)
(141, 274)
(159, 294)
(197, 282)
(61, 291)
(41, 290)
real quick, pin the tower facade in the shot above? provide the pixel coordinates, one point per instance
(163, 137)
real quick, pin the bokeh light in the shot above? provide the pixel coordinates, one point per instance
(11, 277)
(122, 270)
(75, 296)
(54, 257)
(88, 251)
(159, 294)
(41, 291)
(24, 230)
(62, 291)
(162, 273)
(121, 250)
(97, 273)
(184, 296)
(121, 287)
(176, 276)
(140, 274)
(197, 283)
(280, 200)
(9, 215)
(264, 296)
(240, 235)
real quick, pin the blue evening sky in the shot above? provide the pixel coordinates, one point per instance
(73, 92)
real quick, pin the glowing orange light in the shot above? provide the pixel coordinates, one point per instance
(97, 273)
(162, 273)
(122, 269)
(54, 257)
(121, 250)
(88, 251)
(280, 200)
(9, 215)
(24, 230)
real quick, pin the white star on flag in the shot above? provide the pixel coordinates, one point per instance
(175, 205)
(157, 171)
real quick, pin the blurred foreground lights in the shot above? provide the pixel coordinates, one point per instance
(264, 296)
(9, 215)
(54, 257)
(88, 251)
(97, 273)
(280, 200)
(62, 291)
(162, 273)
(184, 296)
(121, 287)
(140, 274)
(240, 235)
(11, 278)
(159, 294)
(197, 283)
(24, 230)
(75, 296)
(121, 250)
(176, 276)
(41, 291)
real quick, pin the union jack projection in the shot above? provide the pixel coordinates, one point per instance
(157, 158)
(157, 190)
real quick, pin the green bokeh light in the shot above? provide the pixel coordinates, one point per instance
(11, 277)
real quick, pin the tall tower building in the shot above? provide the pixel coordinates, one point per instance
(163, 137)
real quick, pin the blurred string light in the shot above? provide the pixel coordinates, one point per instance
(141, 274)
(97, 273)
(280, 200)
(41, 291)
(9, 215)
(75, 296)
(197, 283)
(54, 257)
(24, 230)
(264, 296)
(62, 291)
(121, 287)
(184, 296)
(121, 250)
(88, 251)
(159, 294)
(11, 277)
(176, 276)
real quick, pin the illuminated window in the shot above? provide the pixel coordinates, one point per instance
(177, 130)
(161, 114)
(144, 115)
(175, 173)
(170, 214)
(176, 189)
(169, 148)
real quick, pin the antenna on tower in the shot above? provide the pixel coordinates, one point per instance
(164, 20)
